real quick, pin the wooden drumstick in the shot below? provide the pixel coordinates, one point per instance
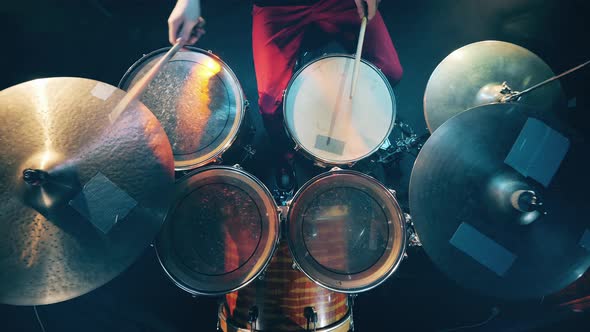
(137, 89)
(142, 84)
(359, 50)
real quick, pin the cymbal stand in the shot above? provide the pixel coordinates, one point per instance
(511, 95)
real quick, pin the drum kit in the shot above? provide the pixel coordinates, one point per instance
(496, 193)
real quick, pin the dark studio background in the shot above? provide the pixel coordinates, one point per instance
(101, 39)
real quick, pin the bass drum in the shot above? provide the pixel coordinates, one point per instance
(346, 231)
(284, 300)
(220, 233)
(200, 103)
(327, 125)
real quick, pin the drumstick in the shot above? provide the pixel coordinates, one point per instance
(140, 86)
(357, 60)
(359, 50)
(137, 89)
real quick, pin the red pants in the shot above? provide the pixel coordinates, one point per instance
(277, 36)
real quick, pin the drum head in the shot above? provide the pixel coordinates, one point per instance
(221, 232)
(346, 231)
(326, 123)
(198, 100)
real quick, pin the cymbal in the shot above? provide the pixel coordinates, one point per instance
(81, 198)
(479, 191)
(473, 75)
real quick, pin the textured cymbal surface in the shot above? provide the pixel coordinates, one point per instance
(473, 75)
(461, 194)
(52, 248)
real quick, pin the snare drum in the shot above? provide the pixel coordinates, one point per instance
(200, 104)
(327, 125)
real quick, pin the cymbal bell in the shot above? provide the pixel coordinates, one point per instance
(81, 197)
(481, 73)
(497, 196)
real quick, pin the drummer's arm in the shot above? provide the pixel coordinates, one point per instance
(182, 21)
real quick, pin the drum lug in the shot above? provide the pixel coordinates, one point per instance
(209, 51)
(335, 169)
(297, 147)
(414, 240)
(408, 218)
(262, 275)
(246, 104)
(295, 266)
(238, 166)
(394, 193)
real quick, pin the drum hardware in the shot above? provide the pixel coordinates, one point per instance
(405, 143)
(413, 239)
(511, 96)
(311, 316)
(63, 162)
(481, 208)
(253, 317)
(472, 75)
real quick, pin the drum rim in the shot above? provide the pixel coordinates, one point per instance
(318, 275)
(260, 267)
(323, 161)
(241, 113)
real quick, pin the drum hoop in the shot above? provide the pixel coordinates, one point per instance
(273, 239)
(137, 65)
(327, 162)
(318, 276)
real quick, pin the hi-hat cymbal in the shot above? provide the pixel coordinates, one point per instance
(473, 75)
(81, 198)
(478, 193)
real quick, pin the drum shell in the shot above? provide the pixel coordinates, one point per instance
(232, 147)
(281, 296)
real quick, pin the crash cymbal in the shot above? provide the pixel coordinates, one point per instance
(480, 189)
(473, 76)
(81, 197)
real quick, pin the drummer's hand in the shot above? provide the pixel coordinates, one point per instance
(186, 22)
(371, 6)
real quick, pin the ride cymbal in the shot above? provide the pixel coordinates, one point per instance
(81, 197)
(473, 75)
(480, 189)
